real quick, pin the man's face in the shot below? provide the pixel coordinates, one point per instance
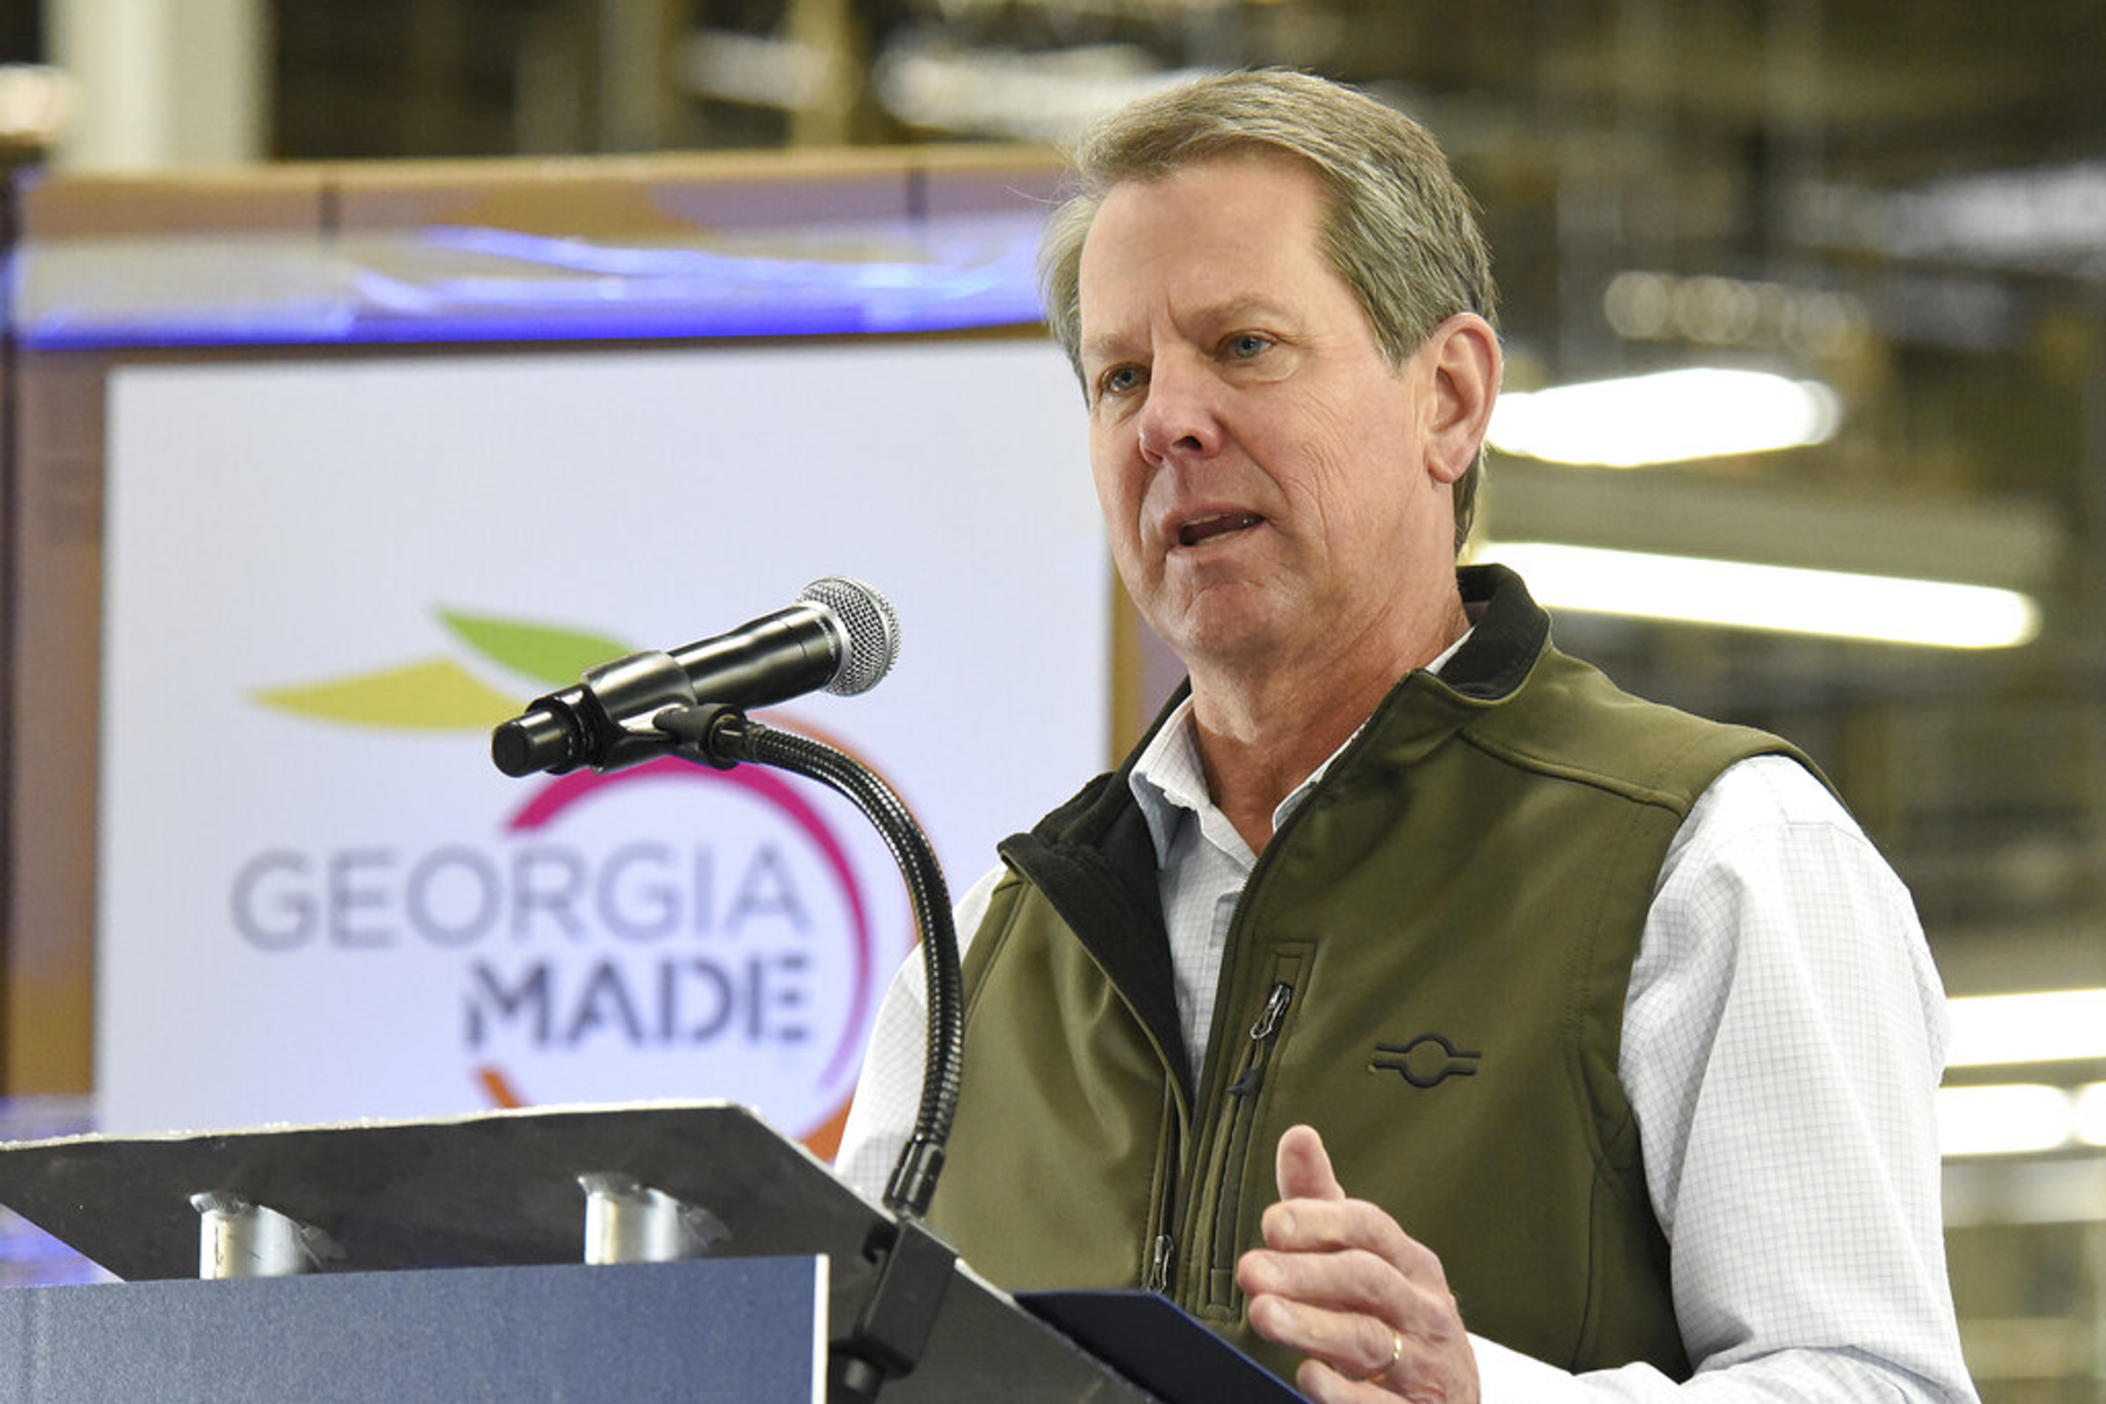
(1260, 465)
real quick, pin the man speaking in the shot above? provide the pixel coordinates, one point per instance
(1415, 1008)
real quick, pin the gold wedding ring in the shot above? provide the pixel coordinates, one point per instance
(1396, 1353)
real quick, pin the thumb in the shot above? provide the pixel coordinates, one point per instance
(1302, 1166)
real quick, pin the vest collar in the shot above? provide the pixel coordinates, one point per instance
(1510, 635)
(1169, 783)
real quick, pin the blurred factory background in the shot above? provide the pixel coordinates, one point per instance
(1894, 210)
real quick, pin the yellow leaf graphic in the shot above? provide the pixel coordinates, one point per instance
(438, 695)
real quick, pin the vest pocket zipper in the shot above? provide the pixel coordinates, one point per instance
(1269, 1017)
(1235, 1147)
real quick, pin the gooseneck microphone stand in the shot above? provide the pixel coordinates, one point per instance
(895, 1323)
(716, 735)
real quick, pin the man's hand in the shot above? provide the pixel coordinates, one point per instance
(1367, 1306)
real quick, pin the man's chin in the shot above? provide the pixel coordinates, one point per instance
(1227, 627)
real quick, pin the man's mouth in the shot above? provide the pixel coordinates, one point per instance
(1208, 528)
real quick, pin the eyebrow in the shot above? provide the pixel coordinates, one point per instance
(1230, 310)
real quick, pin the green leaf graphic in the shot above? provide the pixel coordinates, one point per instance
(439, 695)
(554, 656)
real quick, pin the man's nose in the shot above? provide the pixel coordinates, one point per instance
(1182, 414)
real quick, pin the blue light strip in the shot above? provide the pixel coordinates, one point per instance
(451, 284)
(698, 323)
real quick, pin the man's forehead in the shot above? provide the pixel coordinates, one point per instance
(1229, 225)
(1224, 205)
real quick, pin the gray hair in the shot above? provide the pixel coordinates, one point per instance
(1401, 231)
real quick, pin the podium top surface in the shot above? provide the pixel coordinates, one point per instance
(489, 1190)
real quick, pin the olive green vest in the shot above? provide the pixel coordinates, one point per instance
(1428, 964)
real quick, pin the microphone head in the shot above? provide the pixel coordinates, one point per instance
(870, 626)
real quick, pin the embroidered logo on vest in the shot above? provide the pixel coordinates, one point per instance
(1426, 1061)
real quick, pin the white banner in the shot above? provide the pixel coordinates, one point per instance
(327, 581)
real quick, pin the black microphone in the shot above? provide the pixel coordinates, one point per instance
(841, 636)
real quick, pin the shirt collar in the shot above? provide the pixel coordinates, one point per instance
(1169, 783)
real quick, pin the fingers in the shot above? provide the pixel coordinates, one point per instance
(1334, 1226)
(1320, 1384)
(1355, 1284)
(1302, 1167)
(1356, 1344)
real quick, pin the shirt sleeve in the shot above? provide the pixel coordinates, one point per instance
(1783, 1036)
(888, 1090)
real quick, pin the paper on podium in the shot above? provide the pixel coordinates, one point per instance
(1158, 1346)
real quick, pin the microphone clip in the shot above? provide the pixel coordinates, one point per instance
(715, 733)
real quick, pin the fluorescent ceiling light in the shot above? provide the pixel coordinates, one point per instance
(2091, 1114)
(2045, 212)
(1040, 95)
(1790, 599)
(1665, 418)
(2013, 1119)
(35, 103)
(753, 68)
(2043, 1027)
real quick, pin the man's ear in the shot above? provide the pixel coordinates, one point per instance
(1462, 356)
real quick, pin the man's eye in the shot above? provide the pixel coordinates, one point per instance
(1245, 345)
(1119, 379)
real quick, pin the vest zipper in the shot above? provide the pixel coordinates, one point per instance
(1159, 1264)
(1241, 1121)
(1162, 1243)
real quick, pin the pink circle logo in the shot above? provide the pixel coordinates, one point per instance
(566, 795)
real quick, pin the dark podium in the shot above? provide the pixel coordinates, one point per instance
(679, 1251)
